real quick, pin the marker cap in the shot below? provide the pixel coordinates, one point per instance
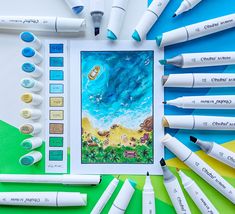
(176, 147)
(32, 143)
(32, 84)
(31, 128)
(31, 53)
(33, 114)
(31, 39)
(32, 69)
(30, 158)
(179, 80)
(180, 121)
(76, 5)
(71, 199)
(70, 25)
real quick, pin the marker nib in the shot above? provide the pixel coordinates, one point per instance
(174, 15)
(162, 162)
(164, 102)
(193, 139)
(97, 31)
(163, 62)
(147, 174)
(177, 169)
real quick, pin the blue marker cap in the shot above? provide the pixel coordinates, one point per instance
(28, 67)
(133, 183)
(159, 40)
(78, 9)
(111, 35)
(136, 36)
(28, 52)
(27, 83)
(27, 37)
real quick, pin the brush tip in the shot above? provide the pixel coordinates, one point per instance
(162, 162)
(174, 15)
(147, 174)
(97, 31)
(177, 169)
(164, 102)
(163, 62)
(193, 139)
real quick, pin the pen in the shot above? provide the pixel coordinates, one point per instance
(199, 80)
(105, 197)
(195, 31)
(174, 190)
(191, 60)
(148, 197)
(185, 6)
(216, 151)
(97, 12)
(148, 19)
(204, 102)
(43, 199)
(196, 122)
(197, 195)
(65, 179)
(199, 166)
(42, 23)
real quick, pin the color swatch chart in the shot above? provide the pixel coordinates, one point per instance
(56, 106)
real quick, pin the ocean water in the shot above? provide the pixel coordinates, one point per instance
(122, 92)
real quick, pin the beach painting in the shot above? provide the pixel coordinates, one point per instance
(117, 107)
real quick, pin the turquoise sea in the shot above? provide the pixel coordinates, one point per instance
(121, 92)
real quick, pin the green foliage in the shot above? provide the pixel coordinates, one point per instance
(111, 154)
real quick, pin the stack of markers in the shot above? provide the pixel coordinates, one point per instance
(32, 98)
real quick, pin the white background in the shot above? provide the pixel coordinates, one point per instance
(10, 45)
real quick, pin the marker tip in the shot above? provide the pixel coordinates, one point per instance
(177, 169)
(164, 102)
(193, 139)
(162, 162)
(97, 31)
(147, 173)
(163, 62)
(174, 15)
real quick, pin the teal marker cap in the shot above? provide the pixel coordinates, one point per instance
(159, 40)
(27, 160)
(136, 36)
(26, 145)
(111, 35)
(133, 183)
(28, 67)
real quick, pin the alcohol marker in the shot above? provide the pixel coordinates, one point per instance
(150, 16)
(30, 158)
(30, 98)
(216, 151)
(116, 18)
(148, 200)
(33, 114)
(105, 197)
(76, 6)
(32, 69)
(31, 40)
(42, 23)
(197, 30)
(199, 166)
(123, 198)
(31, 143)
(193, 60)
(43, 199)
(174, 190)
(66, 179)
(32, 84)
(31, 128)
(196, 194)
(32, 54)
(196, 122)
(204, 102)
(185, 6)
(199, 80)
(97, 12)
